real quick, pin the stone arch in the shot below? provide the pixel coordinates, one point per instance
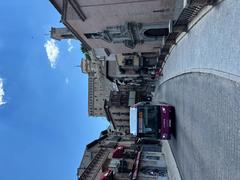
(156, 32)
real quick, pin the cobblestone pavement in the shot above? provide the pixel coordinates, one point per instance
(201, 79)
(212, 44)
(206, 143)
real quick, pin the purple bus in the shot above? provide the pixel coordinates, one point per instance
(151, 120)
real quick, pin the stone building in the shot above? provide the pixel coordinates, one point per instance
(61, 33)
(118, 26)
(110, 155)
(152, 164)
(99, 86)
(133, 69)
(117, 111)
(117, 156)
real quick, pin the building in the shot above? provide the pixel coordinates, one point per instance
(61, 33)
(120, 38)
(118, 26)
(117, 108)
(117, 111)
(117, 156)
(99, 86)
(152, 164)
(112, 153)
(133, 69)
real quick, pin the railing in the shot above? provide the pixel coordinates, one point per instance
(92, 169)
(136, 166)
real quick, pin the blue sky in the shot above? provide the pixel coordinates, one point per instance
(44, 125)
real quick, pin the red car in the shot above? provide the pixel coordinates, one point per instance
(151, 120)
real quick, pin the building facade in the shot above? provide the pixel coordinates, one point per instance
(61, 33)
(99, 86)
(117, 111)
(112, 153)
(117, 156)
(116, 25)
(135, 70)
(152, 165)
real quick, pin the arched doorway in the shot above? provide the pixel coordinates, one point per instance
(151, 33)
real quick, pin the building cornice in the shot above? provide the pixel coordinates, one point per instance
(93, 143)
(67, 24)
(78, 10)
(56, 6)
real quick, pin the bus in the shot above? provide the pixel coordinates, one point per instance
(151, 120)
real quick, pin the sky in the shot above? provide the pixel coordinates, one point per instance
(44, 123)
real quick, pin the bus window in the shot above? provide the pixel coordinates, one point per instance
(148, 120)
(151, 120)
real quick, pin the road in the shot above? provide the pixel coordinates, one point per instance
(201, 79)
(206, 143)
(212, 44)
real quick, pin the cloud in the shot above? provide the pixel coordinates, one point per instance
(1, 93)
(70, 46)
(66, 81)
(52, 52)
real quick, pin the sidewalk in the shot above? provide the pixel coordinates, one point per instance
(173, 172)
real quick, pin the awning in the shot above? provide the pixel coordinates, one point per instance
(136, 166)
(118, 152)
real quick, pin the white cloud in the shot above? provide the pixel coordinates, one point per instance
(1, 93)
(52, 52)
(66, 81)
(70, 46)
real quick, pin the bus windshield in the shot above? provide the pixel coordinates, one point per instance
(148, 119)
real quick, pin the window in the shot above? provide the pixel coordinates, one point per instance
(153, 157)
(154, 171)
(150, 120)
(67, 36)
(128, 62)
(151, 148)
(93, 35)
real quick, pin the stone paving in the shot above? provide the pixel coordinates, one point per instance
(202, 80)
(206, 142)
(213, 44)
